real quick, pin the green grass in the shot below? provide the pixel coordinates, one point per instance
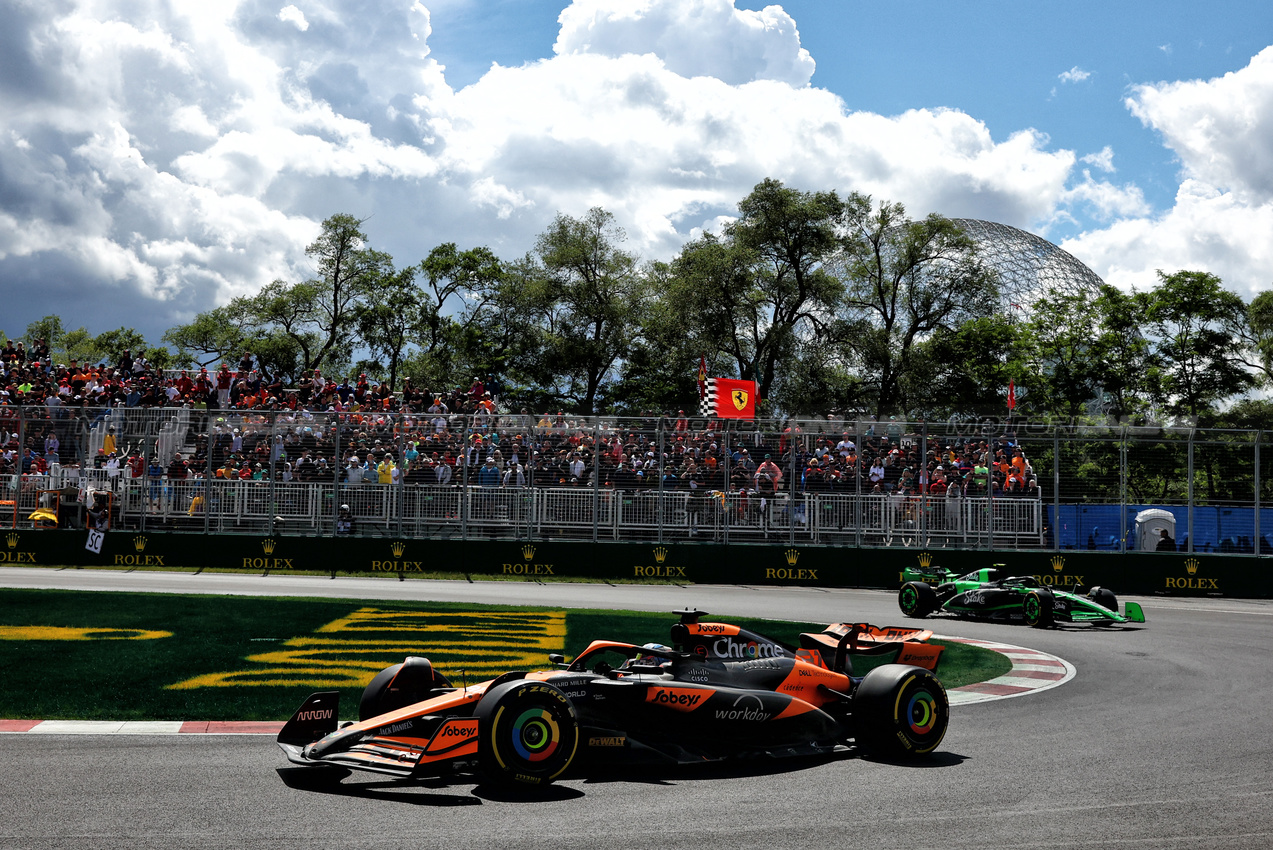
(215, 635)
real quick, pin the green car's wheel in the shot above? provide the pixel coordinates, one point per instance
(528, 733)
(900, 710)
(1104, 597)
(1037, 608)
(917, 599)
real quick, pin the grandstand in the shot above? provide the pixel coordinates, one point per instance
(1000, 486)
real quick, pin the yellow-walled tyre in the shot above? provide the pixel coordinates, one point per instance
(900, 711)
(528, 733)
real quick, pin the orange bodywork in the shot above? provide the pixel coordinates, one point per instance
(812, 683)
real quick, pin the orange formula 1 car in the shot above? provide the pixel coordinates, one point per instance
(721, 692)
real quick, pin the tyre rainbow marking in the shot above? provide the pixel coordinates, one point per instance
(535, 734)
(921, 712)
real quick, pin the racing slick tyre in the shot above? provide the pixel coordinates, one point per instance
(528, 733)
(1104, 597)
(1036, 608)
(900, 711)
(917, 599)
(398, 686)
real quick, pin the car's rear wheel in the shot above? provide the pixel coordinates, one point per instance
(917, 599)
(1036, 608)
(900, 711)
(528, 733)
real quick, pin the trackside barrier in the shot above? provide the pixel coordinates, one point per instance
(775, 562)
(1058, 486)
(262, 506)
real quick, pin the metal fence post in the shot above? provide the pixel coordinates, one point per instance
(1259, 435)
(1190, 482)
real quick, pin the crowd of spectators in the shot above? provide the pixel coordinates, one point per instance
(31, 378)
(245, 425)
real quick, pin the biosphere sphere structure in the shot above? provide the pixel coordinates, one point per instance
(1028, 265)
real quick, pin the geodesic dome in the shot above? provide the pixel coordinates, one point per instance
(1028, 265)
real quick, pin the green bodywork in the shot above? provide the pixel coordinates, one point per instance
(1074, 607)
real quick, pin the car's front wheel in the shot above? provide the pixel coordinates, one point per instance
(917, 599)
(1036, 608)
(1104, 597)
(528, 733)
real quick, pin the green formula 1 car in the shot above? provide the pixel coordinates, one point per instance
(989, 594)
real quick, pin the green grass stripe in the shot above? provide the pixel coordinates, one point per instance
(255, 658)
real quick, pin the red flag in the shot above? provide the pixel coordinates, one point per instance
(702, 378)
(729, 399)
(1012, 395)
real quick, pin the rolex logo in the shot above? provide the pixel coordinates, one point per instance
(793, 555)
(139, 543)
(660, 553)
(268, 545)
(528, 551)
(1191, 566)
(1058, 563)
(12, 540)
(925, 560)
(397, 547)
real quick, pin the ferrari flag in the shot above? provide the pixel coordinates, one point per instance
(729, 399)
(702, 379)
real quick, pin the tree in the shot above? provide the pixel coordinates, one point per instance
(470, 321)
(111, 345)
(294, 328)
(1129, 374)
(965, 370)
(1196, 327)
(586, 298)
(324, 306)
(48, 329)
(904, 280)
(753, 299)
(659, 371)
(1259, 335)
(214, 335)
(388, 320)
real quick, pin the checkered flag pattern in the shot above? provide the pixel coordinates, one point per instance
(707, 404)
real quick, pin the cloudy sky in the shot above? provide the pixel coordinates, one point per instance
(158, 157)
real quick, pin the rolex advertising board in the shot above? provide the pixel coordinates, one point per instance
(1177, 574)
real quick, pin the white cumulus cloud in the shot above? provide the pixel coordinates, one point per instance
(1206, 230)
(700, 38)
(1222, 132)
(159, 158)
(294, 16)
(1222, 129)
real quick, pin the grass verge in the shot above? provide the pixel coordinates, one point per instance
(140, 656)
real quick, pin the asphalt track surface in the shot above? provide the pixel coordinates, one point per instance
(1163, 739)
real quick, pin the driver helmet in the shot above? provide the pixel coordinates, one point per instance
(344, 509)
(650, 659)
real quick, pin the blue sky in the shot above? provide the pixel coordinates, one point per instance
(159, 157)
